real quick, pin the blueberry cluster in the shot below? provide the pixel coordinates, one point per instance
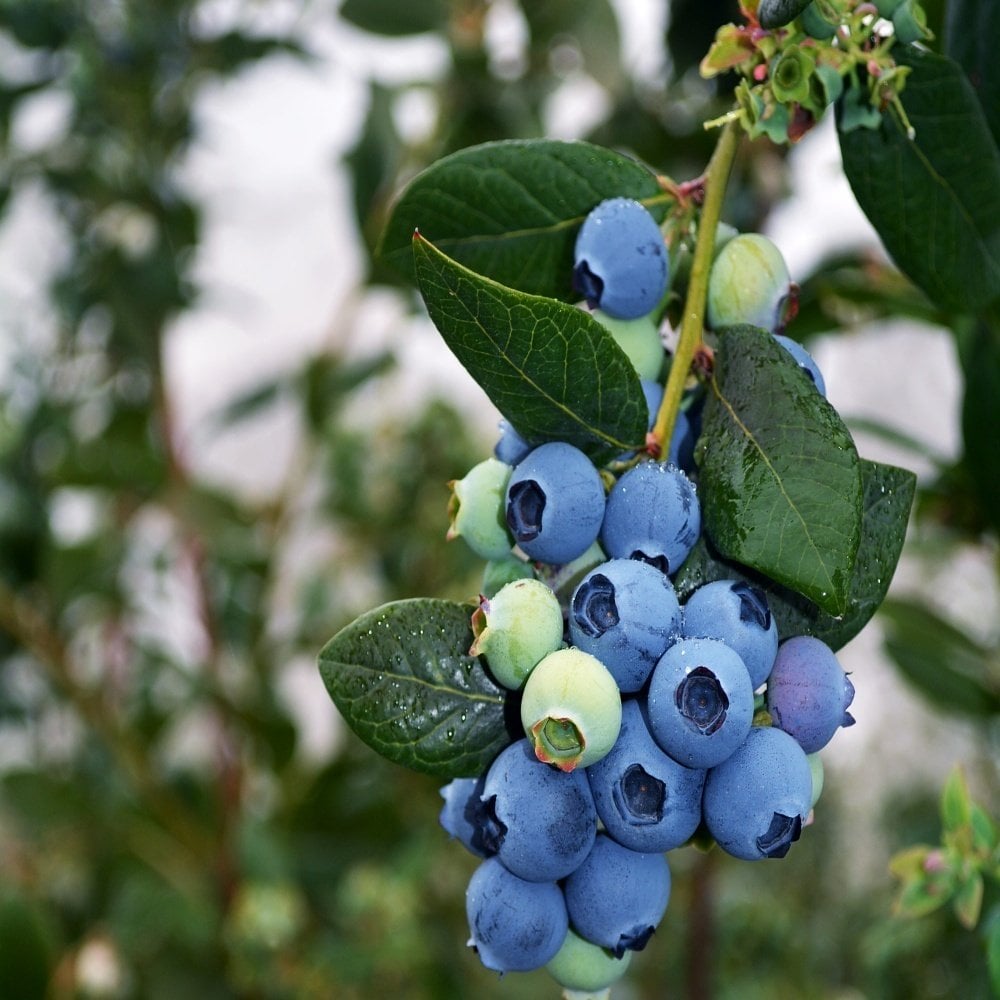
(646, 720)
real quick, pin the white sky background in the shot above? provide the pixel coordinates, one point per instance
(279, 265)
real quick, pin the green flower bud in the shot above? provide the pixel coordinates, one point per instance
(516, 628)
(571, 709)
(582, 967)
(476, 509)
(639, 339)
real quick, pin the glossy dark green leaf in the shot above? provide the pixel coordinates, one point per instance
(402, 678)
(955, 673)
(780, 479)
(979, 353)
(888, 496)
(972, 29)
(392, 18)
(511, 210)
(26, 948)
(778, 13)
(935, 198)
(550, 368)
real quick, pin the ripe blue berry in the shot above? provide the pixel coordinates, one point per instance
(737, 613)
(510, 447)
(645, 799)
(700, 702)
(515, 628)
(756, 800)
(808, 693)
(515, 925)
(476, 509)
(748, 283)
(625, 613)
(555, 503)
(804, 360)
(652, 514)
(461, 815)
(571, 709)
(538, 820)
(617, 897)
(620, 260)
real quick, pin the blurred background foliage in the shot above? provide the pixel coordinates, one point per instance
(141, 606)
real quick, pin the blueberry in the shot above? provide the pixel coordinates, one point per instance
(808, 693)
(625, 613)
(515, 925)
(652, 513)
(538, 820)
(617, 897)
(461, 815)
(639, 339)
(748, 283)
(700, 702)
(585, 968)
(645, 799)
(476, 509)
(620, 260)
(510, 447)
(555, 503)
(571, 709)
(756, 800)
(515, 628)
(737, 613)
(804, 360)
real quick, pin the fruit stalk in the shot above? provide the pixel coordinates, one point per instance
(692, 325)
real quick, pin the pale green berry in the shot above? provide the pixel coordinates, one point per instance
(571, 709)
(515, 628)
(748, 283)
(476, 509)
(816, 767)
(581, 967)
(909, 22)
(639, 339)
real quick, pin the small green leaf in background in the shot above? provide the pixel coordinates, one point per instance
(993, 949)
(972, 29)
(510, 210)
(392, 18)
(26, 948)
(887, 498)
(956, 803)
(550, 368)
(780, 478)
(934, 199)
(403, 680)
(940, 661)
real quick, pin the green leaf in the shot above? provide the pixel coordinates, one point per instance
(956, 804)
(780, 478)
(392, 18)
(403, 680)
(511, 210)
(887, 498)
(972, 28)
(968, 901)
(935, 198)
(942, 662)
(550, 368)
(993, 949)
(979, 354)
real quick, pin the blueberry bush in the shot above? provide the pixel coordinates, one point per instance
(588, 669)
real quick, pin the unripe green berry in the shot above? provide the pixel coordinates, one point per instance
(748, 283)
(639, 339)
(815, 24)
(910, 22)
(571, 709)
(886, 8)
(816, 768)
(476, 509)
(515, 628)
(585, 968)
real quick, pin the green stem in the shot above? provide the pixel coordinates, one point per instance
(693, 323)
